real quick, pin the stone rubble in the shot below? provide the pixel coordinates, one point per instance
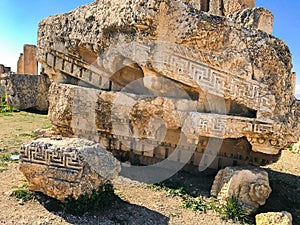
(274, 218)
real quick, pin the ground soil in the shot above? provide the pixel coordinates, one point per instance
(139, 204)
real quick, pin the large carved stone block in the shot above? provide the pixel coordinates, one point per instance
(66, 167)
(26, 91)
(250, 185)
(238, 80)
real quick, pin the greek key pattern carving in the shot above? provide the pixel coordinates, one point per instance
(42, 154)
(177, 62)
(220, 83)
(218, 126)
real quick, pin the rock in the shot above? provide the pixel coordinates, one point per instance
(258, 18)
(250, 185)
(25, 91)
(226, 7)
(234, 84)
(274, 218)
(62, 167)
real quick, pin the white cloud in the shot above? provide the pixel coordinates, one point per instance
(297, 91)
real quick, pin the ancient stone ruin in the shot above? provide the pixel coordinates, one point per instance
(24, 91)
(250, 185)
(27, 89)
(66, 167)
(197, 83)
(27, 63)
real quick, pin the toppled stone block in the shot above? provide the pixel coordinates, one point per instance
(274, 218)
(152, 124)
(257, 18)
(25, 91)
(132, 45)
(250, 185)
(63, 167)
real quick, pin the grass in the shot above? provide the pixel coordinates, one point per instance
(26, 135)
(231, 211)
(99, 200)
(4, 108)
(23, 193)
(176, 189)
(4, 158)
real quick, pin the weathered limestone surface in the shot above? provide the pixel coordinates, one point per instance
(257, 18)
(250, 185)
(274, 218)
(25, 91)
(110, 45)
(30, 59)
(226, 7)
(155, 125)
(66, 167)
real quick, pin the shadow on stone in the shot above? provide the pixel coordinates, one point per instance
(285, 194)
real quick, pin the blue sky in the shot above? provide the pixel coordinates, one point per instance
(19, 20)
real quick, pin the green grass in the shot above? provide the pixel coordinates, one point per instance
(46, 126)
(99, 200)
(26, 135)
(176, 189)
(5, 157)
(4, 108)
(233, 210)
(23, 193)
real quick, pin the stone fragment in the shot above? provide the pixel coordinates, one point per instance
(25, 91)
(62, 167)
(274, 218)
(250, 185)
(257, 18)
